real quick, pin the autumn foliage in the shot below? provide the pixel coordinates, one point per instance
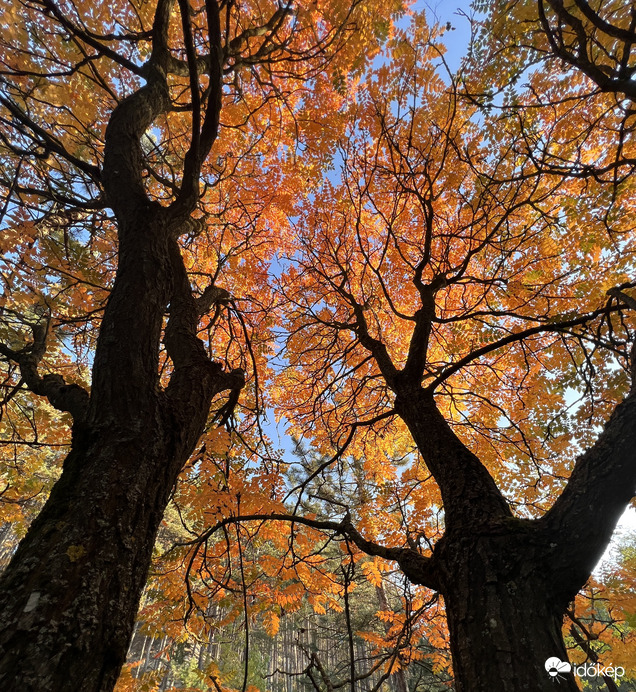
(424, 277)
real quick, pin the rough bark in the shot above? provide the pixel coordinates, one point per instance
(69, 596)
(503, 620)
(582, 520)
(507, 582)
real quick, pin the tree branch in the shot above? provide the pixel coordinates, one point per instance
(183, 346)
(88, 38)
(417, 568)
(48, 141)
(581, 521)
(377, 349)
(202, 140)
(544, 328)
(617, 80)
(70, 398)
(123, 154)
(413, 369)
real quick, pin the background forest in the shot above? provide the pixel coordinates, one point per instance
(223, 222)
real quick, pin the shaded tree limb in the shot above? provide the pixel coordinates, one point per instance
(70, 398)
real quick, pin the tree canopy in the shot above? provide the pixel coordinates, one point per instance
(216, 212)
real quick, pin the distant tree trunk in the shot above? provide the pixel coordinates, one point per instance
(398, 678)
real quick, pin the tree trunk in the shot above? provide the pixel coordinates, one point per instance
(500, 639)
(507, 582)
(398, 678)
(69, 596)
(503, 615)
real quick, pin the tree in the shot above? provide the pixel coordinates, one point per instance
(441, 304)
(117, 107)
(444, 302)
(466, 276)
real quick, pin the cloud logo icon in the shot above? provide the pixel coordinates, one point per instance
(555, 666)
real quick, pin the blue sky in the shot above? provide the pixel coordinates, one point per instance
(458, 38)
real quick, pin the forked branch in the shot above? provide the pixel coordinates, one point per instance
(70, 398)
